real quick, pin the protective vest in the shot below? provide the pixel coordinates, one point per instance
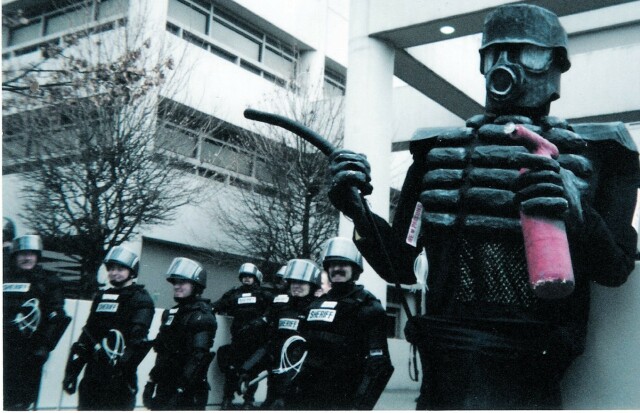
(186, 329)
(337, 329)
(244, 304)
(118, 325)
(32, 304)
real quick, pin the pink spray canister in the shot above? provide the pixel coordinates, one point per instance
(545, 240)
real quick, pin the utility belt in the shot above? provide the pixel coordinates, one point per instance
(504, 339)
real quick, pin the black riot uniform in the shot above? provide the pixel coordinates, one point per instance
(119, 318)
(113, 343)
(33, 323)
(284, 354)
(247, 305)
(486, 340)
(348, 356)
(183, 344)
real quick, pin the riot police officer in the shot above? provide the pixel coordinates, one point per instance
(114, 339)
(277, 284)
(33, 321)
(283, 356)
(179, 377)
(348, 364)
(247, 305)
(488, 339)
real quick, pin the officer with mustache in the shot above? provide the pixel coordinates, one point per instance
(348, 365)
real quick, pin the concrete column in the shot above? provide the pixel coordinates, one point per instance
(311, 74)
(369, 118)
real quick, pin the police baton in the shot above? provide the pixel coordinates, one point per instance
(328, 149)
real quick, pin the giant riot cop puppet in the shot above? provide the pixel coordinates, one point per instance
(33, 321)
(487, 340)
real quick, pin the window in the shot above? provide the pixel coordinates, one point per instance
(334, 83)
(234, 39)
(53, 19)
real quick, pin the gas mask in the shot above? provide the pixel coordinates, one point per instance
(520, 77)
(523, 53)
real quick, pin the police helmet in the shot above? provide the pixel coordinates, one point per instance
(125, 257)
(342, 249)
(281, 271)
(27, 243)
(185, 269)
(303, 270)
(249, 269)
(526, 24)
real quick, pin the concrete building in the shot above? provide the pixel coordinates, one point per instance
(402, 65)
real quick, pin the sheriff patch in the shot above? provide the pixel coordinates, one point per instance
(15, 287)
(376, 352)
(329, 304)
(169, 320)
(247, 300)
(282, 298)
(318, 314)
(107, 308)
(113, 297)
(288, 324)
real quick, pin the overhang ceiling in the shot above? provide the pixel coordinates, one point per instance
(415, 41)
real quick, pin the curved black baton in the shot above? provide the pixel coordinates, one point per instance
(328, 149)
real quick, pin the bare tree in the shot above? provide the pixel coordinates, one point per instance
(86, 125)
(286, 213)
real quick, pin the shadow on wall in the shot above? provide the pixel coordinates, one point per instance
(607, 375)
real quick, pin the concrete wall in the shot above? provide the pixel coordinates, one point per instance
(53, 398)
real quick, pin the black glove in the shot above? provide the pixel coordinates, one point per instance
(243, 381)
(40, 355)
(349, 170)
(278, 404)
(147, 394)
(412, 330)
(69, 383)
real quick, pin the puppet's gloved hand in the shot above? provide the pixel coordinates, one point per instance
(541, 193)
(350, 179)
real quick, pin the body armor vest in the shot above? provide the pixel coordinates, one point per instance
(27, 305)
(114, 309)
(333, 330)
(466, 193)
(175, 342)
(244, 305)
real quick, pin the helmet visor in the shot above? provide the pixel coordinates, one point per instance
(531, 57)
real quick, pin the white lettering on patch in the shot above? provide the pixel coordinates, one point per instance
(107, 308)
(110, 296)
(173, 310)
(321, 315)
(246, 294)
(247, 300)
(329, 304)
(414, 227)
(16, 287)
(376, 352)
(288, 324)
(282, 298)
(169, 320)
